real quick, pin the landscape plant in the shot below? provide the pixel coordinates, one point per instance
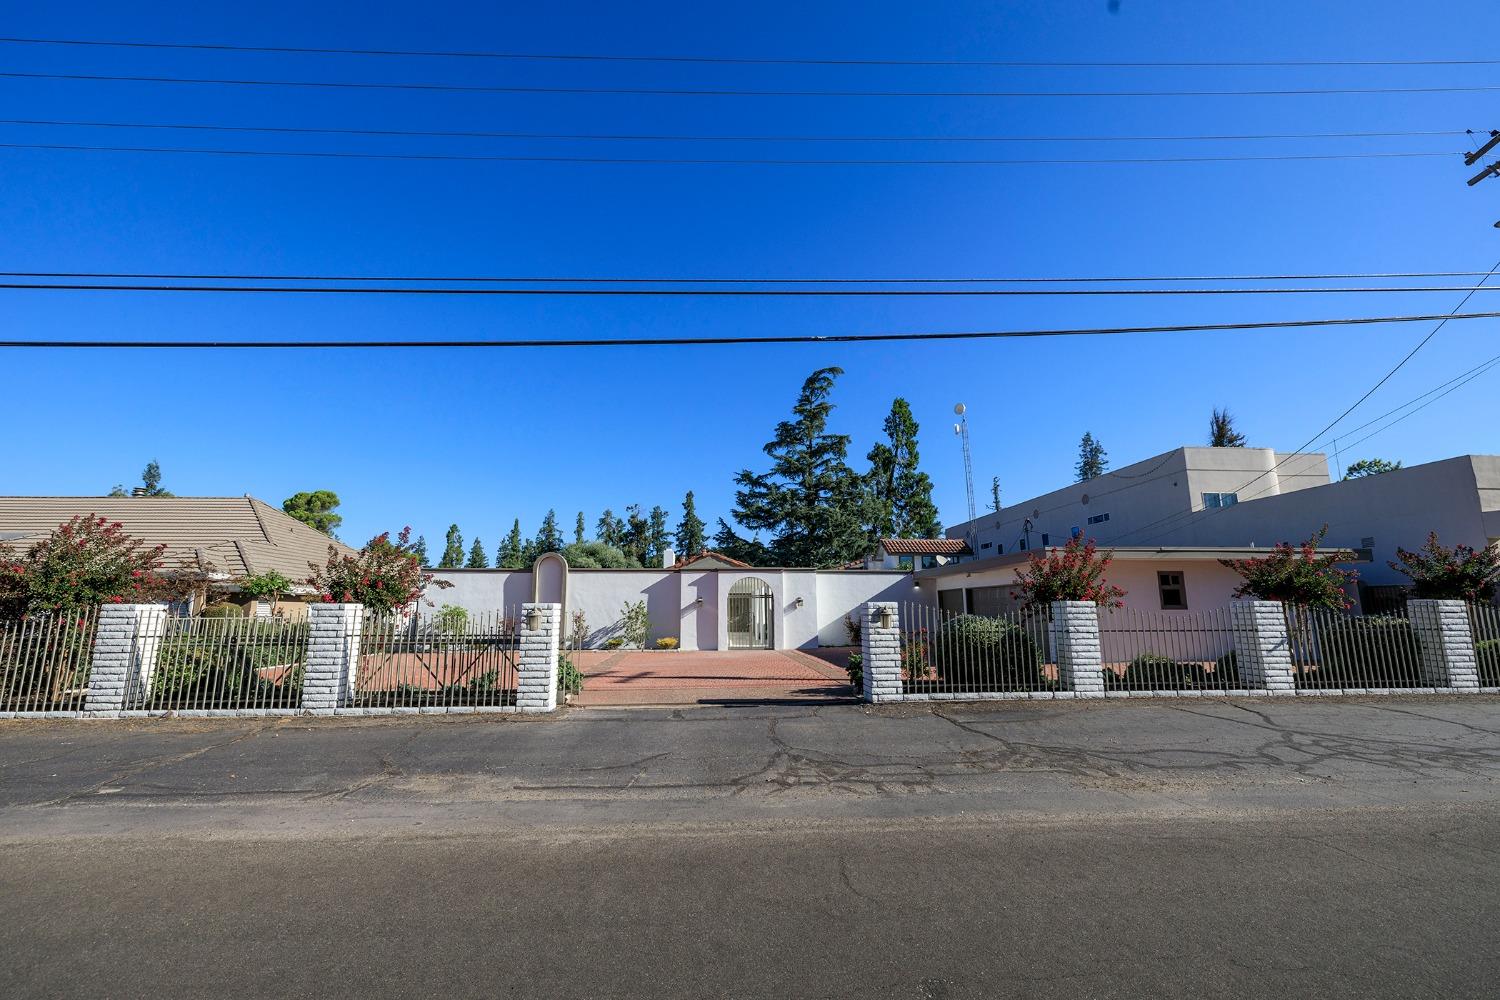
(268, 586)
(635, 624)
(1076, 573)
(989, 652)
(667, 642)
(1460, 573)
(1299, 575)
(383, 576)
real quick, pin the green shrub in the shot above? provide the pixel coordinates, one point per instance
(855, 668)
(614, 643)
(1226, 671)
(1366, 651)
(1148, 671)
(569, 677)
(1487, 652)
(222, 609)
(986, 653)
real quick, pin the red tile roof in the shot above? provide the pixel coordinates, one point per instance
(924, 546)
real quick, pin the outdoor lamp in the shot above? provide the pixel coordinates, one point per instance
(799, 602)
(885, 617)
(533, 619)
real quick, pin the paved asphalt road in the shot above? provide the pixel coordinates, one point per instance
(1128, 849)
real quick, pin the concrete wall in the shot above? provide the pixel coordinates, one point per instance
(842, 592)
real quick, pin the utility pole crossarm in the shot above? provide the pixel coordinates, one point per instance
(1472, 158)
(1493, 170)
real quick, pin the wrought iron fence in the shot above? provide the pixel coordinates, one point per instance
(1484, 620)
(1332, 650)
(203, 664)
(1168, 650)
(44, 661)
(453, 658)
(952, 654)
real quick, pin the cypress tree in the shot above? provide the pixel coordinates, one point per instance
(453, 551)
(477, 558)
(635, 539)
(610, 530)
(512, 554)
(899, 492)
(1092, 458)
(578, 530)
(548, 538)
(689, 538)
(657, 537)
(420, 550)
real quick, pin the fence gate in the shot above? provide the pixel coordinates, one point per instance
(750, 604)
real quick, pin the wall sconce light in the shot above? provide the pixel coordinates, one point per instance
(885, 617)
(799, 602)
(533, 619)
(699, 602)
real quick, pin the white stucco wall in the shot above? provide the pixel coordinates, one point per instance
(841, 592)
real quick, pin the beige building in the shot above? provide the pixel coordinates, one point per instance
(217, 540)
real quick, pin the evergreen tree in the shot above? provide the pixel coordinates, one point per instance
(810, 501)
(315, 509)
(1370, 467)
(578, 530)
(657, 537)
(150, 483)
(512, 554)
(689, 538)
(548, 538)
(477, 558)
(1092, 458)
(453, 551)
(420, 551)
(748, 550)
(1221, 432)
(899, 493)
(635, 539)
(995, 494)
(610, 530)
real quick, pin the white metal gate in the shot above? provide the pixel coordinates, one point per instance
(750, 605)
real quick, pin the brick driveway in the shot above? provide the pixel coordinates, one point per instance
(683, 677)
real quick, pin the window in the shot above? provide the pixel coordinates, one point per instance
(929, 561)
(1046, 539)
(1172, 590)
(1098, 519)
(951, 602)
(1220, 499)
(986, 545)
(988, 601)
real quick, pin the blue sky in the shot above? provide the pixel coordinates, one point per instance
(479, 438)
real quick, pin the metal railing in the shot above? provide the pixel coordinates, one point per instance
(451, 659)
(944, 653)
(45, 660)
(1332, 650)
(1168, 650)
(204, 664)
(1484, 620)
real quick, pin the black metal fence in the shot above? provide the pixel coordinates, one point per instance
(951, 654)
(453, 658)
(45, 660)
(206, 663)
(1168, 650)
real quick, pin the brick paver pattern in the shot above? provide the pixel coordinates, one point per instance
(649, 677)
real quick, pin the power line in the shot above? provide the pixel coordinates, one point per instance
(706, 161)
(679, 137)
(728, 292)
(555, 279)
(735, 60)
(840, 338)
(733, 92)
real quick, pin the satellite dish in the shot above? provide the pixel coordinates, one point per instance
(959, 409)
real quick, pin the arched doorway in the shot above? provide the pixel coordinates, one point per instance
(748, 614)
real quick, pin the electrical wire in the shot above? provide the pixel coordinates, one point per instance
(733, 92)
(679, 137)
(724, 161)
(733, 60)
(842, 338)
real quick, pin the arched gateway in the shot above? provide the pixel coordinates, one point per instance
(749, 615)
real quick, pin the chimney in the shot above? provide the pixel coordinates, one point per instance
(138, 491)
(668, 558)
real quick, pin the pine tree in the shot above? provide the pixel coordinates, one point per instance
(610, 530)
(512, 554)
(635, 540)
(689, 536)
(420, 551)
(548, 538)
(579, 530)
(899, 493)
(995, 494)
(811, 502)
(477, 558)
(746, 550)
(1092, 458)
(1221, 432)
(453, 551)
(657, 537)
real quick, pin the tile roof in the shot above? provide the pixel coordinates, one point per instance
(687, 561)
(924, 546)
(233, 536)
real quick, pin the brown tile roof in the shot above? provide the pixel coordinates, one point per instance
(925, 546)
(233, 536)
(686, 561)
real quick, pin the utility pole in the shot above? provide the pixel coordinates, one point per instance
(1491, 170)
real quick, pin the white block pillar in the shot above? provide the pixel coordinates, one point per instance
(1447, 642)
(328, 679)
(1075, 645)
(880, 648)
(124, 659)
(536, 687)
(1262, 646)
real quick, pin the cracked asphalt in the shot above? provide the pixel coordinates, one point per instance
(1254, 848)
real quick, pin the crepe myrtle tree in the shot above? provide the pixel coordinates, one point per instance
(1076, 573)
(1299, 575)
(383, 576)
(1460, 573)
(84, 562)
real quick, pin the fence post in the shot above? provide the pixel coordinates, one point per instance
(333, 633)
(1447, 642)
(1075, 645)
(1262, 646)
(880, 650)
(124, 656)
(536, 671)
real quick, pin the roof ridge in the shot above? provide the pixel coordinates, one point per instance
(255, 505)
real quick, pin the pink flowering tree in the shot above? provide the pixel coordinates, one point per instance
(383, 576)
(1074, 573)
(1299, 575)
(83, 563)
(1460, 573)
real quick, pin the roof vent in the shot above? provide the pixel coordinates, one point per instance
(138, 491)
